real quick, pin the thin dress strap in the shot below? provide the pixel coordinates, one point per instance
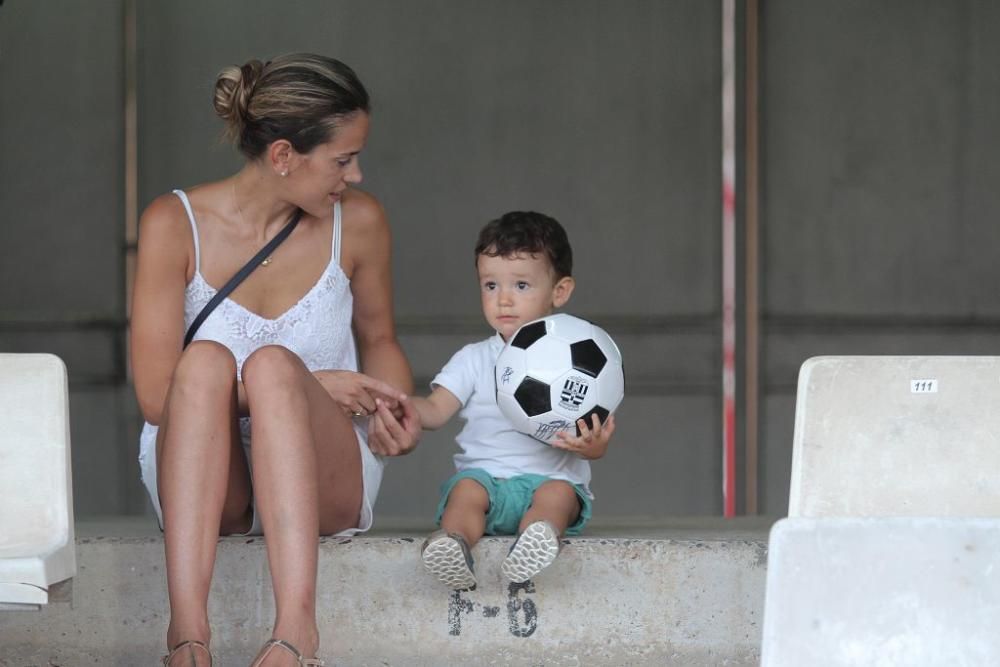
(336, 232)
(194, 228)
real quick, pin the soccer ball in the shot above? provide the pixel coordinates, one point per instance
(556, 370)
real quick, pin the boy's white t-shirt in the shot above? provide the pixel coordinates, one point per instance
(488, 440)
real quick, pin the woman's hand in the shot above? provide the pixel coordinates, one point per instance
(357, 393)
(592, 442)
(389, 436)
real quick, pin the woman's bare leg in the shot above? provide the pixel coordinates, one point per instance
(203, 481)
(307, 482)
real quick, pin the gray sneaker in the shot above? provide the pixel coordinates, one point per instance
(533, 551)
(447, 556)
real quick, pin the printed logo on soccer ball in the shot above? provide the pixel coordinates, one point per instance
(573, 392)
(556, 370)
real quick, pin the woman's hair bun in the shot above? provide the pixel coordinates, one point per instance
(233, 90)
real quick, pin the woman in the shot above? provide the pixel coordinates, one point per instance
(261, 425)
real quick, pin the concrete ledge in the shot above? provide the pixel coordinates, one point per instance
(611, 601)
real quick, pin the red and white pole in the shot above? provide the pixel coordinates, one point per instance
(729, 257)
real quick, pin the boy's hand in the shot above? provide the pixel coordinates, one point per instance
(593, 440)
(392, 436)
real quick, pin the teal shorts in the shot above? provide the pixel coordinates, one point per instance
(510, 500)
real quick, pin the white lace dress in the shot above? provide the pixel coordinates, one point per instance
(317, 329)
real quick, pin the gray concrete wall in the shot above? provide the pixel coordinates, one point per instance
(877, 233)
(61, 224)
(879, 191)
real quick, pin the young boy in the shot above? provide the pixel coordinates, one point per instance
(507, 482)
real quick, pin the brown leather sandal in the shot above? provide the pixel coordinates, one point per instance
(271, 644)
(190, 645)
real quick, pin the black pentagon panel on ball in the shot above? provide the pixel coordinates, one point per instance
(588, 419)
(533, 397)
(587, 357)
(528, 334)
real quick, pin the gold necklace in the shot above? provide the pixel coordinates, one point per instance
(267, 260)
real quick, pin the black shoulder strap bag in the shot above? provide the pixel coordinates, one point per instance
(241, 275)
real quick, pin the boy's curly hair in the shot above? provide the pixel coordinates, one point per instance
(527, 232)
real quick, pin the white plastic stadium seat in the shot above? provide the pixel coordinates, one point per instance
(36, 496)
(897, 436)
(900, 592)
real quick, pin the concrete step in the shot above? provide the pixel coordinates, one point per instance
(689, 593)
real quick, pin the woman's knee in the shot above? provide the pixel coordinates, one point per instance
(271, 366)
(205, 367)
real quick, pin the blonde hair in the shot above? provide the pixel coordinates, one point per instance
(300, 97)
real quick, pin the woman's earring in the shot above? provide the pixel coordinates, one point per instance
(284, 173)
